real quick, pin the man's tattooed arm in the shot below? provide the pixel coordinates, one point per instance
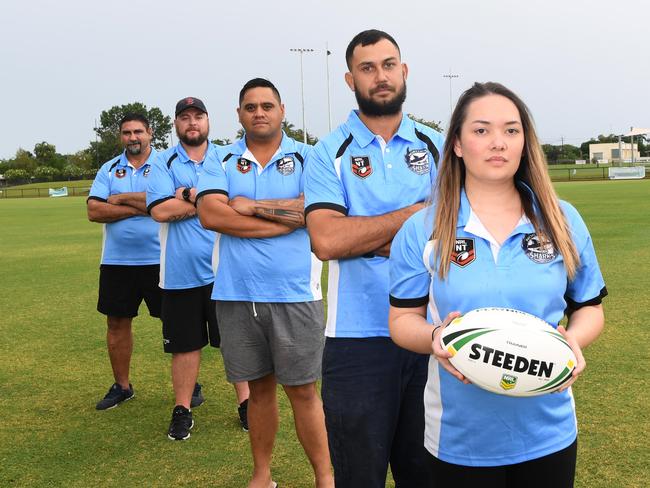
(290, 212)
(287, 211)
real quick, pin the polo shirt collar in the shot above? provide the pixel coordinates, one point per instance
(184, 158)
(468, 220)
(287, 146)
(124, 161)
(363, 136)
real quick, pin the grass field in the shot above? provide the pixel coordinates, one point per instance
(53, 365)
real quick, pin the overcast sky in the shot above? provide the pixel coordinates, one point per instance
(581, 66)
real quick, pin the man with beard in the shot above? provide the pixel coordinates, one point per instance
(361, 183)
(130, 253)
(186, 277)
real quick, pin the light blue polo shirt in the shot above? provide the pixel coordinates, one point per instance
(355, 172)
(465, 424)
(185, 246)
(132, 241)
(273, 269)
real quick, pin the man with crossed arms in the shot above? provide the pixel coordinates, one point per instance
(267, 283)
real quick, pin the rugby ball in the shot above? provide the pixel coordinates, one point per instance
(508, 352)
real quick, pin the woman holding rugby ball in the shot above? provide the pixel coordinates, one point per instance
(496, 235)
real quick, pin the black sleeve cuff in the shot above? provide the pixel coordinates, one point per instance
(157, 202)
(572, 305)
(209, 192)
(326, 205)
(99, 199)
(409, 302)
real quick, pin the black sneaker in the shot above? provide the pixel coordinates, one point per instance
(197, 396)
(242, 410)
(116, 395)
(182, 422)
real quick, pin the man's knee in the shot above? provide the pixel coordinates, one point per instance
(302, 393)
(262, 389)
(118, 324)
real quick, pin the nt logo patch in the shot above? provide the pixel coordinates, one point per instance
(464, 252)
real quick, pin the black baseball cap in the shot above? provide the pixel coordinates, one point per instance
(190, 102)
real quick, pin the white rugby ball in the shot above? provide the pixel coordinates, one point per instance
(509, 352)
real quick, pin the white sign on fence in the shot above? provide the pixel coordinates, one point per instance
(629, 173)
(59, 192)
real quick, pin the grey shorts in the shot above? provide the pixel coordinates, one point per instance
(258, 339)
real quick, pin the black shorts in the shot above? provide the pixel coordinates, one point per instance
(189, 319)
(122, 289)
(555, 470)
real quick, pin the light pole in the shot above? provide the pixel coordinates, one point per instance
(450, 76)
(329, 104)
(302, 50)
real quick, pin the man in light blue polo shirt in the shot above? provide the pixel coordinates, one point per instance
(361, 183)
(130, 250)
(267, 283)
(186, 276)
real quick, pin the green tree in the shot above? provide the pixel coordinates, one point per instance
(429, 123)
(46, 155)
(222, 142)
(46, 173)
(297, 134)
(16, 175)
(82, 159)
(555, 154)
(44, 152)
(108, 143)
(23, 160)
(72, 171)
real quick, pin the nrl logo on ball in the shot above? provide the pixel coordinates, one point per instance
(508, 381)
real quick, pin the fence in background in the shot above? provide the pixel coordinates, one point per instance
(40, 192)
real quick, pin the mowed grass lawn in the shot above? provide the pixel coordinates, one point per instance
(53, 364)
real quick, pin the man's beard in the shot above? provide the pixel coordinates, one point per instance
(134, 149)
(368, 106)
(192, 141)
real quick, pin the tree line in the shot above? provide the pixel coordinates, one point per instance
(44, 163)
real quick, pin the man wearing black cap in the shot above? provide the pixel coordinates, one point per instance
(186, 277)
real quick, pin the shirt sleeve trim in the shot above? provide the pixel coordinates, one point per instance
(99, 199)
(408, 302)
(327, 206)
(211, 192)
(572, 305)
(157, 202)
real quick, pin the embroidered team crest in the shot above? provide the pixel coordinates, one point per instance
(120, 173)
(286, 166)
(244, 165)
(538, 251)
(464, 252)
(361, 166)
(417, 161)
(146, 171)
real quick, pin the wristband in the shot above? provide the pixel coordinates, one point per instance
(433, 332)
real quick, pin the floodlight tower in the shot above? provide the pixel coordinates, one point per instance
(450, 76)
(302, 50)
